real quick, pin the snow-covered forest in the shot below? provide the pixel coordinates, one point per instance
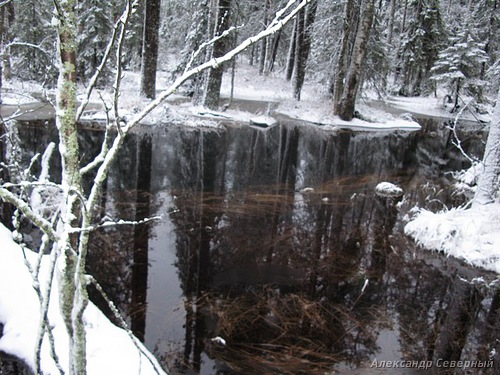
(126, 65)
(407, 48)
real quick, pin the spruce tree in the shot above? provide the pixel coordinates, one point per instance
(422, 40)
(132, 48)
(33, 52)
(459, 66)
(95, 27)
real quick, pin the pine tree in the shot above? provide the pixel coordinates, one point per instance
(95, 27)
(380, 53)
(487, 25)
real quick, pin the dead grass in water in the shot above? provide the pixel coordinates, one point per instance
(267, 333)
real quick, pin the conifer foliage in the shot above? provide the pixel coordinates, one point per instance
(33, 53)
(95, 23)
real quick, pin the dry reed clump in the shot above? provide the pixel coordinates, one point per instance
(269, 333)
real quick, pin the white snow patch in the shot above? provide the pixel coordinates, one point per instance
(319, 112)
(388, 189)
(110, 349)
(470, 234)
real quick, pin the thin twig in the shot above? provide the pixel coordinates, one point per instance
(123, 324)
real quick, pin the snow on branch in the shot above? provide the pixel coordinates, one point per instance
(208, 43)
(27, 211)
(124, 325)
(111, 349)
(116, 223)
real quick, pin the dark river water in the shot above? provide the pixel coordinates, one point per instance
(274, 240)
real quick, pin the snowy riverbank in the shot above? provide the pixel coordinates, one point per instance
(472, 234)
(110, 350)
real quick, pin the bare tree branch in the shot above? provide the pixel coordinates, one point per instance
(27, 211)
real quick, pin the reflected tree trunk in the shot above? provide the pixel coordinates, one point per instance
(195, 246)
(287, 175)
(139, 277)
(385, 217)
(6, 209)
(456, 323)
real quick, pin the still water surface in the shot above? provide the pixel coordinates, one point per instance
(274, 240)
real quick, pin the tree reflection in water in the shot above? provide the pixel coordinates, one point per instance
(283, 249)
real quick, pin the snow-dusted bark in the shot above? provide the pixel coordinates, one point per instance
(349, 26)
(73, 294)
(488, 184)
(345, 107)
(303, 47)
(214, 81)
(150, 48)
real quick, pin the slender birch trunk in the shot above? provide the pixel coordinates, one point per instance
(73, 294)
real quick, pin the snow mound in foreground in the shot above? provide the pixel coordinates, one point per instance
(469, 234)
(110, 350)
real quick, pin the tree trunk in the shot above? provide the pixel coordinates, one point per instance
(345, 108)
(349, 27)
(299, 52)
(390, 26)
(274, 51)
(6, 209)
(290, 63)
(7, 22)
(2, 43)
(263, 42)
(214, 81)
(302, 51)
(488, 184)
(150, 48)
(140, 267)
(457, 322)
(72, 281)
